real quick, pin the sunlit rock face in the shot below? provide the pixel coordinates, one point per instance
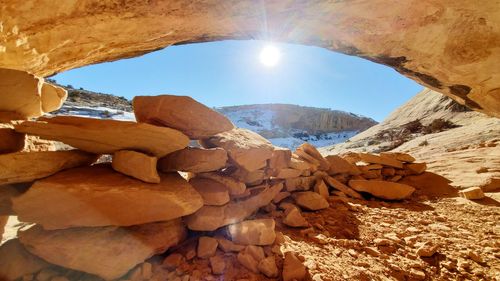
(450, 46)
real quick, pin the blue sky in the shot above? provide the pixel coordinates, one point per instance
(230, 73)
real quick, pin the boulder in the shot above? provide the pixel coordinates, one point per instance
(294, 218)
(137, 165)
(383, 189)
(210, 218)
(253, 232)
(374, 159)
(16, 262)
(233, 186)
(182, 113)
(342, 187)
(293, 269)
(194, 159)
(340, 166)
(247, 149)
(206, 247)
(400, 156)
(310, 154)
(28, 95)
(472, 193)
(106, 136)
(11, 141)
(108, 252)
(310, 200)
(99, 196)
(213, 192)
(28, 166)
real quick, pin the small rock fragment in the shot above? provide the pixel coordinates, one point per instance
(294, 218)
(310, 200)
(268, 267)
(427, 249)
(472, 193)
(218, 265)
(293, 269)
(206, 247)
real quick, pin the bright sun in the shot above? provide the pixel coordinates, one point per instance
(270, 56)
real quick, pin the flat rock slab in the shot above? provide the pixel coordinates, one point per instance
(339, 165)
(108, 252)
(253, 232)
(106, 136)
(195, 160)
(213, 192)
(310, 200)
(99, 196)
(383, 160)
(383, 189)
(182, 113)
(16, 262)
(28, 166)
(247, 149)
(210, 218)
(137, 165)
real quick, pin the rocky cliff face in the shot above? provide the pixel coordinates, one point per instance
(449, 46)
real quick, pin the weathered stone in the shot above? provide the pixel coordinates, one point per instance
(427, 249)
(248, 261)
(299, 164)
(340, 166)
(28, 95)
(287, 173)
(173, 261)
(374, 159)
(182, 113)
(403, 157)
(234, 187)
(256, 252)
(108, 252)
(252, 178)
(342, 187)
(209, 218)
(310, 200)
(253, 232)
(280, 158)
(310, 154)
(294, 218)
(415, 168)
(11, 141)
(472, 193)
(106, 136)
(293, 269)
(228, 246)
(388, 171)
(206, 247)
(213, 193)
(7, 193)
(7, 117)
(137, 165)
(16, 262)
(280, 196)
(195, 160)
(300, 183)
(99, 196)
(28, 166)
(321, 188)
(268, 267)
(217, 264)
(383, 189)
(245, 148)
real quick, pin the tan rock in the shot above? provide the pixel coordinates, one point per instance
(415, 168)
(280, 158)
(310, 154)
(248, 261)
(137, 165)
(194, 159)
(209, 218)
(106, 136)
(16, 262)
(287, 173)
(206, 247)
(28, 166)
(293, 269)
(268, 267)
(321, 188)
(109, 252)
(256, 252)
(310, 200)
(383, 189)
(217, 264)
(403, 157)
(294, 218)
(233, 186)
(229, 246)
(300, 183)
(472, 193)
(253, 232)
(427, 249)
(252, 178)
(213, 192)
(340, 166)
(99, 196)
(182, 113)
(280, 196)
(245, 148)
(173, 261)
(342, 187)
(11, 141)
(299, 164)
(28, 95)
(374, 159)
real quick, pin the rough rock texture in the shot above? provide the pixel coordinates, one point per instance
(15, 261)
(137, 165)
(106, 136)
(246, 148)
(108, 252)
(450, 46)
(253, 232)
(213, 192)
(28, 95)
(99, 196)
(28, 166)
(194, 159)
(182, 113)
(12, 141)
(383, 189)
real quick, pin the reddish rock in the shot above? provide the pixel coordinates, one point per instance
(195, 160)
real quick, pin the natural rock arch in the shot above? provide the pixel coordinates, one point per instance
(450, 46)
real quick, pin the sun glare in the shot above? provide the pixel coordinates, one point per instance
(270, 56)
